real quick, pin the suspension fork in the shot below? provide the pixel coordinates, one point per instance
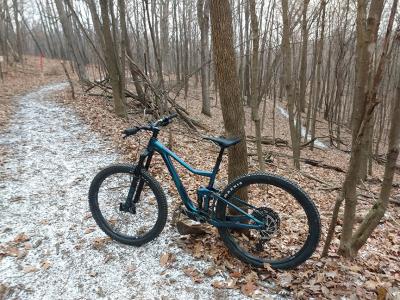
(137, 185)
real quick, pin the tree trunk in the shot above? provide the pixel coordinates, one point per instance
(17, 30)
(203, 11)
(228, 85)
(287, 70)
(255, 100)
(303, 66)
(367, 82)
(75, 54)
(112, 63)
(376, 213)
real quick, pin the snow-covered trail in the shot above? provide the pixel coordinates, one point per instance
(43, 194)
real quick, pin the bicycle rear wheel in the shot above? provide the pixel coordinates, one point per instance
(292, 224)
(109, 189)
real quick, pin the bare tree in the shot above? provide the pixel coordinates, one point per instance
(203, 11)
(225, 63)
(111, 57)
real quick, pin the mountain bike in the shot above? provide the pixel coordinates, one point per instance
(262, 218)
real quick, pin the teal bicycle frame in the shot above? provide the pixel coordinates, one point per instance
(240, 221)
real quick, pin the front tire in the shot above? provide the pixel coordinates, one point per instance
(110, 188)
(293, 219)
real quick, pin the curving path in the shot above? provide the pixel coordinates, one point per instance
(50, 247)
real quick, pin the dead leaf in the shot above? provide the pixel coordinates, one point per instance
(12, 251)
(285, 279)
(249, 288)
(231, 284)
(268, 267)
(198, 250)
(194, 274)
(46, 264)
(20, 238)
(30, 269)
(211, 271)
(167, 259)
(89, 230)
(236, 274)
(218, 284)
(381, 293)
(99, 243)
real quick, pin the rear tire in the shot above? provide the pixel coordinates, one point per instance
(102, 205)
(270, 194)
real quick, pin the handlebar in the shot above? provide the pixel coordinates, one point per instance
(151, 127)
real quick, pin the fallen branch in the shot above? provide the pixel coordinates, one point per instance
(320, 164)
(269, 141)
(315, 163)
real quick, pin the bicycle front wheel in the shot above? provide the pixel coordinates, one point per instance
(110, 188)
(292, 224)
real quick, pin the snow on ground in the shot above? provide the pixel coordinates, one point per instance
(317, 142)
(43, 193)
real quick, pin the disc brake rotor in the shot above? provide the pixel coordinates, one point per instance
(271, 221)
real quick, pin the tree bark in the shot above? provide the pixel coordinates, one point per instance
(255, 100)
(112, 62)
(72, 45)
(287, 70)
(203, 11)
(228, 81)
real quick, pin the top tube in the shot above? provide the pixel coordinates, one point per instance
(160, 148)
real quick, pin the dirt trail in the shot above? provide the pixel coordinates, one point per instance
(43, 193)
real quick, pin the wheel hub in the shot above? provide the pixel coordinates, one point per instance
(125, 208)
(271, 221)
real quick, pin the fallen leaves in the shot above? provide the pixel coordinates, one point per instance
(331, 277)
(20, 238)
(285, 279)
(167, 259)
(249, 288)
(18, 247)
(99, 243)
(194, 274)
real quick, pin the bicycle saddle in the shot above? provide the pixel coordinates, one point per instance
(222, 142)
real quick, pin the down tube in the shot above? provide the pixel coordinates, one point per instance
(178, 183)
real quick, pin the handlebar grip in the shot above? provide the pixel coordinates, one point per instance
(130, 131)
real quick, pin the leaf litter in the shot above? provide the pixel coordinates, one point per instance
(321, 278)
(50, 246)
(200, 259)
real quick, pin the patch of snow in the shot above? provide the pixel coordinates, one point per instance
(317, 142)
(43, 192)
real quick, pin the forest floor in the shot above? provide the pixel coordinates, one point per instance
(50, 246)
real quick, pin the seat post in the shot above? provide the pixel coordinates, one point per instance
(216, 167)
